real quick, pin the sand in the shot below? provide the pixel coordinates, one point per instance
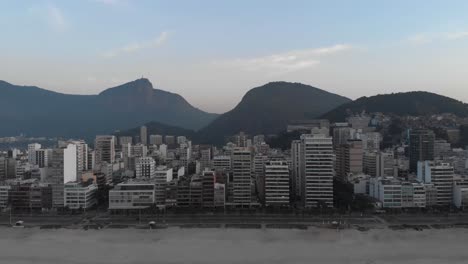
(174, 245)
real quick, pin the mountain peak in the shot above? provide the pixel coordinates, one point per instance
(138, 86)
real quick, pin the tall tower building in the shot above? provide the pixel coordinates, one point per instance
(56, 177)
(349, 158)
(296, 169)
(317, 170)
(205, 159)
(32, 152)
(144, 135)
(421, 147)
(70, 163)
(276, 183)
(104, 149)
(241, 170)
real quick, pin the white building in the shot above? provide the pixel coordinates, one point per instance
(181, 140)
(70, 164)
(441, 175)
(145, 167)
(241, 168)
(221, 163)
(317, 170)
(460, 194)
(394, 193)
(78, 196)
(277, 183)
(132, 195)
(163, 151)
(32, 152)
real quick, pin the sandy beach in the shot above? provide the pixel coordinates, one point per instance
(175, 245)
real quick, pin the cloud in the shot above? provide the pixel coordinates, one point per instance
(108, 2)
(138, 46)
(49, 14)
(426, 38)
(281, 63)
(457, 35)
(56, 18)
(419, 39)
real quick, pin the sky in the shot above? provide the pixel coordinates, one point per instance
(213, 52)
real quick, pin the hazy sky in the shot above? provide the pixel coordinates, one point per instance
(212, 52)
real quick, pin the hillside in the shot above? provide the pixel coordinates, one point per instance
(156, 128)
(39, 112)
(269, 108)
(410, 103)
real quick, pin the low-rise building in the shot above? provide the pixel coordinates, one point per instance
(79, 196)
(132, 195)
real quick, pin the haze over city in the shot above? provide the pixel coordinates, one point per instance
(213, 52)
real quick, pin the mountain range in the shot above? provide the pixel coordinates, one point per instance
(39, 112)
(268, 109)
(263, 110)
(410, 103)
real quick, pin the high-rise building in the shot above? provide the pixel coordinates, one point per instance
(181, 140)
(41, 158)
(156, 140)
(258, 164)
(277, 183)
(81, 154)
(386, 164)
(56, 177)
(441, 148)
(221, 163)
(145, 167)
(124, 140)
(32, 152)
(208, 181)
(104, 149)
(317, 170)
(240, 140)
(169, 140)
(371, 163)
(163, 175)
(442, 176)
(3, 168)
(70, 164)
(349, 158)
(421, 147)
(296, 169)
(219, 194)
(241, 169)
(342, 133)
(144, 135)
(205, 159)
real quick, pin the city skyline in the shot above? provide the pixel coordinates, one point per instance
(356, 49)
